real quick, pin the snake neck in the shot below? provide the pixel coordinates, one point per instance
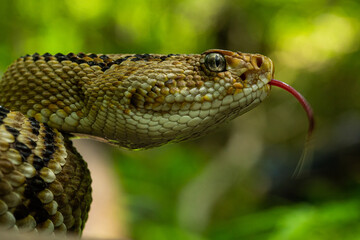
(47, 90)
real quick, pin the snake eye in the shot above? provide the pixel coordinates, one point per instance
(215, 62)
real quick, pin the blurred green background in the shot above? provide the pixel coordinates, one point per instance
(237, 182)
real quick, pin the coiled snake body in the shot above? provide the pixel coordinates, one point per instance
(132, 101)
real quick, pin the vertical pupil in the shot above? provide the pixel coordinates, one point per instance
(217, 61)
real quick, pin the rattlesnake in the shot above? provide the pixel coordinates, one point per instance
(133, 101)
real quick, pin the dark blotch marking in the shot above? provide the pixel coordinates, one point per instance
(32, 143)
(106, 66)
(107, 61)
(48, 129)
(50, 147)
(49, 144)
(104, 57)
(80, 61)
(70, 55)
(163, 58)
(49, 137)
(74, 58)
(13, 131)
(49, 151)
(3, 114)
(3, 110)
(33, 186)
(41, 215)
(138, 57)
(61, 57)
(24, 150)
(37, 209)
(21, 212)
(93, 55)
(25, 56)
(81, 55)
(136, 100)
(35, 203)
(38, 163)
(92, 63)
(47, 59)
(47, 56)
(36, 57)
(35, 126)
(47, 156)
(119, 61)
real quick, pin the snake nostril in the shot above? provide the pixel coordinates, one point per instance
(259, 61)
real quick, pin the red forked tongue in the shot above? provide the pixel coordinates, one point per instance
(310, 116)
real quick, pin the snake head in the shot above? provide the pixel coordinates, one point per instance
(243, 80)
(157, 99)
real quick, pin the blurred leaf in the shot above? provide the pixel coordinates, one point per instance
(314, 46)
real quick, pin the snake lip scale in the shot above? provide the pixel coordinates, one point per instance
(133, 101)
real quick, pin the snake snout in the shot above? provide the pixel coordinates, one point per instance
(250, 68)
(261, 69)
(268, 66)
(264, 68)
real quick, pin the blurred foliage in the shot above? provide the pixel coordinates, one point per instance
(235, 183)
